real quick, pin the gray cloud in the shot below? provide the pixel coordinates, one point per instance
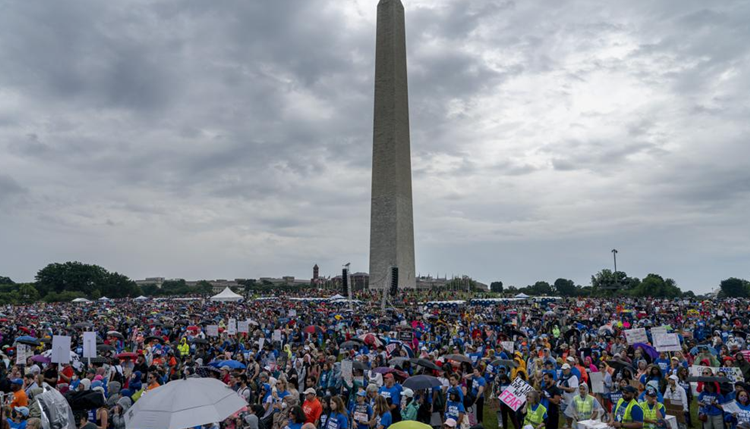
(200, 139)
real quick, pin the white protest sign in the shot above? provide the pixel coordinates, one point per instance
(261, 342)
(731, 407)
(667, 343)
(276, 335)
(515, 395)
(292, 313)
(23, 352)
(507, 345)
(243, 326)
(232, 327)
(658, 330)
(212, 330)
(347, 372)
(597, 382)
(89, 344)
(636, 335)
(60, 349)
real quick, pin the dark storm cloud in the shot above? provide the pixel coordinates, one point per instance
(199, 139)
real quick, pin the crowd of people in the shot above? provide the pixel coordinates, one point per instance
(306, 363)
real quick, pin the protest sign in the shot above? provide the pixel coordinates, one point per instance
(261, 342)
(515, 395)
(23, 352)
(658, 330)
(347, 370)
(507, 346)
(60, 349)
(212, 330)
(232, 327)
(243, 326)
(597, 382)
(276, 335)
(667, 343)
(89, 344)
(637, 335)
(292, 313)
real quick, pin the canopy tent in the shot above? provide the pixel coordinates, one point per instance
(337, 296)
(522, 295)
(104, 298)
(140, 298)
(226, 295)
(81, 300)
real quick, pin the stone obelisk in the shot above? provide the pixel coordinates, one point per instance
(391, 218)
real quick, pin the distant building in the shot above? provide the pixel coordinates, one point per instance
(157, 281)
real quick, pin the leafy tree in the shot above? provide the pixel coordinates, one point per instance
(653, 285)
(735, 288)
(27, 293)
(204, 287)
(6, 281)
(120, 286)
(149, 289)
(70, 276)
(688, 294)
(565, 287)
(538, 288)
(496, 287)
(66, 296)
(606, 282)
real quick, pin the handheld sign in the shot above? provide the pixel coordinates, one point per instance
(232, 327)
(60, 349)
(667, 343)
(89, 344)
(515, 395)
(243, 326)
(212, 330)
(636, 335)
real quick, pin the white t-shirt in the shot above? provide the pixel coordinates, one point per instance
(572, 382)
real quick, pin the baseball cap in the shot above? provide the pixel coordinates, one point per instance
(24, 411)
(571, 359)
(389, 375)
(17, 381)
(408, 392)
(450, 422)
(674, 377)
(650, 392)
(361, 393)
(310, 391)
(630, 389)
(566, 366)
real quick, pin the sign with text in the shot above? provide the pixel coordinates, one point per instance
(636, 335)
(89, 344)
(232, 327)
(212, 330)
(276, 335)
(23, 352)
(659, 330)
(667, 343)
(292, 313)
(597, 382)
(243, 326)
(507, 346)
(514, 395)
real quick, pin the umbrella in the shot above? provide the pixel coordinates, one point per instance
(426, 364)
(458, 358)
(647, 349)
(388, 370)
(104, 348)
(28, 340)
(115, 334)
(419, 382)
(620, 364)
(371, 340)
(313, 330)
(41, 359)
(184, 404)
(409, 424)
(398, 361)
(83, 325)
(233, 364)
(153, 338)
(200, 341)
(359, 365)
(504, 362)
(127, 355)
(350, 345)
(97, 360)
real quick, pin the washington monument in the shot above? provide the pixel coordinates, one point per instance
(391, 219)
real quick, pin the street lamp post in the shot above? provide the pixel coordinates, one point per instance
(614, 255)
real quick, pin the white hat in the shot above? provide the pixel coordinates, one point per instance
(571, 359)
(407, 392)
(310, 391)
(566, 366)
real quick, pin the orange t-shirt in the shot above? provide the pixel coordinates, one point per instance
(20, 399)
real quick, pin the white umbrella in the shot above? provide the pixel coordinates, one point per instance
(183, 404)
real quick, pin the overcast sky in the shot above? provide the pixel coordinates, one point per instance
(233, 139)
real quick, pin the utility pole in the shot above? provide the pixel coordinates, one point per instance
(617, 281)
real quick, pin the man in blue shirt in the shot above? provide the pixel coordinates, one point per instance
(391, 391)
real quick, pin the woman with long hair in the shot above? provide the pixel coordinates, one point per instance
(382, 413)
(338, 417)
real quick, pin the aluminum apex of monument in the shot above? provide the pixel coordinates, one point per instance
(391, 217)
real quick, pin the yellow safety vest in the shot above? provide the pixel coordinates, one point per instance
(184, 349)
(535, 418)
(651, 414)
(627, 418)
(584, 406)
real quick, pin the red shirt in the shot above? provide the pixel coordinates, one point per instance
(312, 410)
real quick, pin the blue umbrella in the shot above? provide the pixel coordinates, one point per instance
(28, 340)
(233, 364)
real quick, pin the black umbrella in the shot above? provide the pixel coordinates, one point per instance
(426, 364)
(97, 360)
(105, 348)
(504, 362)
(153, 338)
(359, 365)
(83, 325)
(458, 358)
(115, 334)
(419, 382)
(350, 345)
(200, 341)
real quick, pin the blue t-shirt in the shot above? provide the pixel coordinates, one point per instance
(392, 393)
(705, 400)
(385, 420)
(337, 421)
(476, 383)
(294, 426)
(663, 365)
(453, 409)
(361, 414)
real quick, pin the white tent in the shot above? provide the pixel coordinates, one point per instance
(337, 296)
(226, 295)
(81, 300)
(522, 296)
(140, 298)
(104, 298)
